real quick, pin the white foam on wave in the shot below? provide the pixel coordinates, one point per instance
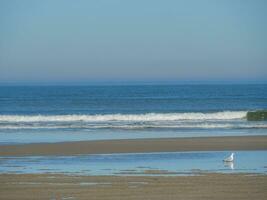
(226, 120)
(225, 115)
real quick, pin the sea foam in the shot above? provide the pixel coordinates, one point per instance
(225, 115)
(215, 120)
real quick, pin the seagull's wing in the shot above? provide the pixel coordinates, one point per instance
(228, 159)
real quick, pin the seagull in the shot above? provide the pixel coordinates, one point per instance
(230, 158)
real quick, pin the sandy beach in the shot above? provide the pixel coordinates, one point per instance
(138, 145)
(160, 185)
(205, 186)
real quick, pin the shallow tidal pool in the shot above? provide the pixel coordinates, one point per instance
(169, 163)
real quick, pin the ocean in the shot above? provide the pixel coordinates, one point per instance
(72, 113)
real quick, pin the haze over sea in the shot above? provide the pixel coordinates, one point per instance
(70, 113)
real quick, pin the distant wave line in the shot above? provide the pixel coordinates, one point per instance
(128, 127)
(225, 115)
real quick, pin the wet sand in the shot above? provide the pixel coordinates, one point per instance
(205, 186)
(201, 186)
(138, 145)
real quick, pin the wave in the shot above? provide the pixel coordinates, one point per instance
(225, 115)
(138, 127)
(216, 120)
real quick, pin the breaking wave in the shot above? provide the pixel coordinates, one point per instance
(221, 120)
(226, 115)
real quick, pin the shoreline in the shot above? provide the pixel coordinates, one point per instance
(226, 143)
(202, 186)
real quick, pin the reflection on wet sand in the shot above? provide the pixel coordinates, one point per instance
(230, 165)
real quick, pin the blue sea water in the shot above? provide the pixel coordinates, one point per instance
(69, 113)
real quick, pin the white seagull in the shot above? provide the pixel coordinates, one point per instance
(230, 158)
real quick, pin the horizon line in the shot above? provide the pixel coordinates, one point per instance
(126, 83)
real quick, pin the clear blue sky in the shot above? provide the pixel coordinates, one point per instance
(53, 41)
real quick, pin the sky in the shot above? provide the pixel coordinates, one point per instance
(87, 41)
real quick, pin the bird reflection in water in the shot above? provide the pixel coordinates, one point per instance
(229, 165)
